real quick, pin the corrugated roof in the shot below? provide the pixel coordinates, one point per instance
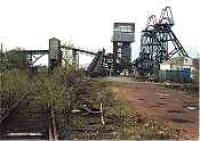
(175, 61)
(180, 61)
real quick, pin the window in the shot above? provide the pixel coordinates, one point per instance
(123, 28)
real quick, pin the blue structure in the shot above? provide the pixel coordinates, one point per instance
(187, 74)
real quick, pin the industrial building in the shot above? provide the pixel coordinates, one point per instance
(123, 36)
(179, 69)
(159, 45)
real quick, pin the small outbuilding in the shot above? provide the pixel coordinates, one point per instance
(180, 70)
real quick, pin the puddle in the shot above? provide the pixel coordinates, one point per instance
(180, 120)
(191, 106)
(175, 111)
(140, 99)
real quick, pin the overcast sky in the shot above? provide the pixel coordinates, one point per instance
(88, 23)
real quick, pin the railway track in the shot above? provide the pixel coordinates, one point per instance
(28, 121)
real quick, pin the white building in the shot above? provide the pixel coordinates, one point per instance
(179, 63)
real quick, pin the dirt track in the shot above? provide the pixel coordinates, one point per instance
(155, 102)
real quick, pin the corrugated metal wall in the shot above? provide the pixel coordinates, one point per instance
(178, 76)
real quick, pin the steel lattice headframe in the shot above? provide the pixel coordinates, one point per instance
(155, 40)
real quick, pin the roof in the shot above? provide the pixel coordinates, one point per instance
(175, 61)
(121, 23)
(181, 61)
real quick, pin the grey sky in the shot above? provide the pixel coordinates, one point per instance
(88, 23)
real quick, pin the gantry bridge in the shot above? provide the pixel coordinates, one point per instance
(55, 54)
